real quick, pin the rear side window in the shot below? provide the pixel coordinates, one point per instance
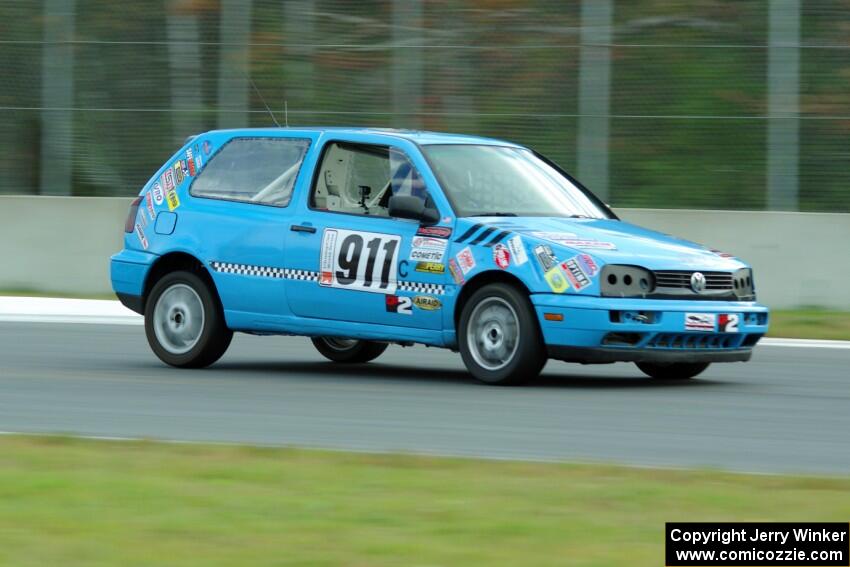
(253, 170)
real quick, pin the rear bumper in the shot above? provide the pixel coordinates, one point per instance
(128, 270)
(132, 302)
(595, 330)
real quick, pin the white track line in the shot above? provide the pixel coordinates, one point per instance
(107, 312)
(57, 310)
(805, 343)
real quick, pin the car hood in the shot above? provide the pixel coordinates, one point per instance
(613, 242)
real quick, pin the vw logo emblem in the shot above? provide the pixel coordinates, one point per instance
(697, 282)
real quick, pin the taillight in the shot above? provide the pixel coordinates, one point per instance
(130, 223)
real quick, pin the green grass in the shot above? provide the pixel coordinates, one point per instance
(810, 323)
(73, 503)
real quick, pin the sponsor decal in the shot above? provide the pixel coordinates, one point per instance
(360, 261)
(399, 304)
(587, 264)
(517, 249)
(722, 254)
(575, 274)
(699, 321)
(207, 147)
(199, 161)
(545, 257)
(728, 323)
(435, 231)
(173, 199)
(326, 259)
(141, 234)
(143, 220)
(158, 193)
(431, 267)
(168, 180)
(185, 166)
(428, 249)
(427, 302)
(149, 205)
(501, 256)
(429, 242)
(573, 241)
(465, 260)
(555, 236)
(178, 173)
(702, 261)
(556, 280)
(594, 244)
(457, 275)
(190, 161)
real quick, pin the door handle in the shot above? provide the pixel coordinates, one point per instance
(302, 228)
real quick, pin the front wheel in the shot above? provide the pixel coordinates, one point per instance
(673, 371)
(348, 350)
(184, 324)
(499, 337)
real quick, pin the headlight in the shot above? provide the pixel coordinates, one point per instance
(626, 281)
(743, 286)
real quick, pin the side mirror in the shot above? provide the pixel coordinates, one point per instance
(409, 207)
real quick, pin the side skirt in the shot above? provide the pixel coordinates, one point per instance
(259, 324)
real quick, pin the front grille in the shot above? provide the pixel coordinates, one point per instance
(695, 341)
(714, 281)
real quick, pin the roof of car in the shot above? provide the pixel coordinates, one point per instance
(422, 137)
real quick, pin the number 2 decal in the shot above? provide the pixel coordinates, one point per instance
(362, 261)
(728, 323)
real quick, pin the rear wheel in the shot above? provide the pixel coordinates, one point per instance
(348, 350)
(499, 337)
(674, 371)
(184, 324)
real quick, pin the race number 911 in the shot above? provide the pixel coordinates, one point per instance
(360, 261)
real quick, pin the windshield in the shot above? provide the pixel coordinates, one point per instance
(504, 181)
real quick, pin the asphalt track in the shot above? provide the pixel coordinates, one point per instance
(786, 411)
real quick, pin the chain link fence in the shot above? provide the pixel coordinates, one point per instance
(95, 94)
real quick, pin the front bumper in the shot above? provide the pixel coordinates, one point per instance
(595, 330)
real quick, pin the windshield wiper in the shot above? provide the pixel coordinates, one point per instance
(498, 214)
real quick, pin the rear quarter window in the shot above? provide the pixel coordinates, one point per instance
(262, 171)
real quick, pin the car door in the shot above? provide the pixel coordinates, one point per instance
(348, 259)
(241, 210)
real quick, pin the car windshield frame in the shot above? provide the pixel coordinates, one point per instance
(594, 207)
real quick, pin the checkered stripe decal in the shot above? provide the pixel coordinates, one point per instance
(302, 275)
(307, 275)
(246, 270)
(418, 287)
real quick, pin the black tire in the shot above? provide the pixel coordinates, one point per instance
(356, 352)
(529, 355)
(674, 371)
(214, 336)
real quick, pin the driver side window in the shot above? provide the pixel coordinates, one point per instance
(360, 179)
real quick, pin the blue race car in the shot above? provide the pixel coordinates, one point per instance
(360, 238)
